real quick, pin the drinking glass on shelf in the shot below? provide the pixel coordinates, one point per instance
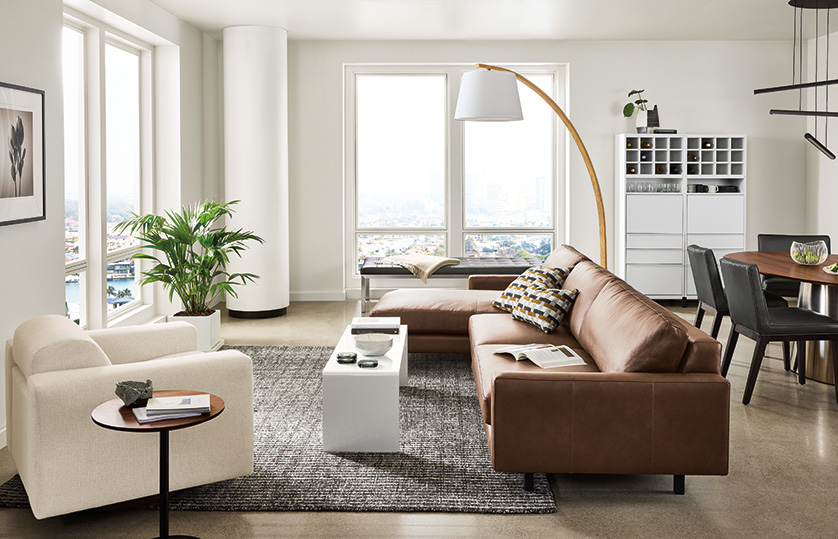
(630, 187)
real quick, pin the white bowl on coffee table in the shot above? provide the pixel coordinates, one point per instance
(373, 344)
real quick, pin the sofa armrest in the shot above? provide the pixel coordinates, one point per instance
(635, 423)
(490, 282)
(131, 344)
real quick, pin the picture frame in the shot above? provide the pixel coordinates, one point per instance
(22, 155)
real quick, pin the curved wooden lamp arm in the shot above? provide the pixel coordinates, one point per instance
(603, 251)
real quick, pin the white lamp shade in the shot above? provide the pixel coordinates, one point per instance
(487, 95)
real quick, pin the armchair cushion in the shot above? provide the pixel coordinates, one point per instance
(141, 343)
(54, 343)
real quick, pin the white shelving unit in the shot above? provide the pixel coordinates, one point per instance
(657, 215)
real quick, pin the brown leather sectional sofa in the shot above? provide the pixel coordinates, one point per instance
(650, 399)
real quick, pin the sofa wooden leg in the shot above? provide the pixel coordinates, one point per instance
(529, 481)
(680, 486)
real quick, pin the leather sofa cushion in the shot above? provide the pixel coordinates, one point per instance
(626, 332)
(503, 329)
(564, 256)
(433, 310)
(54, 343)
(589, 278)
(486, 365)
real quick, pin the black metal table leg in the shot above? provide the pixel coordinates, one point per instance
(164, 490)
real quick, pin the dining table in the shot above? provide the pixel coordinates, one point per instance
(818, 292)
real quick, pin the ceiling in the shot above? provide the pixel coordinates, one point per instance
(500, 19)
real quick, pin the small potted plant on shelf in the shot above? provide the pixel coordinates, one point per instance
(638, 105)
(191, 253)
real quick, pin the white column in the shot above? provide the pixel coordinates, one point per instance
(256, 162)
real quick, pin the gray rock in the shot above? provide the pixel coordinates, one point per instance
(134, 394)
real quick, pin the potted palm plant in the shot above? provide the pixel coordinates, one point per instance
(191, 253)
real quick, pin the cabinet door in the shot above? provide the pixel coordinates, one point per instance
(649, 214)
(656, 279)
(715, 213)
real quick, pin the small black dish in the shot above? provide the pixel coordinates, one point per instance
(347, 357)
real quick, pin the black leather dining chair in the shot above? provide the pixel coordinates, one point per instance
(750, 316)
(782, 242)
(711, 293)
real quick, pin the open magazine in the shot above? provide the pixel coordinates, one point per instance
(545, 356)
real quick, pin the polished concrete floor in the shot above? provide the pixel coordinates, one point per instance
(782, 481)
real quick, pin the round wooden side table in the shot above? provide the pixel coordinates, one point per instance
(115, 415)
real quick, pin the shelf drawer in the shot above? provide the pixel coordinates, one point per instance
(654, 256)
(654, 241)
(734, 242)
(656, 280)
(659, 213)
(715, 213)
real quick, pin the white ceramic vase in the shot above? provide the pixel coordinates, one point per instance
(209, 329)
(642, 120)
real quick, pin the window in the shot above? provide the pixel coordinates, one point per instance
(104, 176)
(419, 182)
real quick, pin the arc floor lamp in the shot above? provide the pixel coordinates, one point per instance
(491, 94)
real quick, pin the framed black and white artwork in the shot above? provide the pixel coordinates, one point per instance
(22, 159)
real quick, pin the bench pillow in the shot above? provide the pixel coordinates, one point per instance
(548, 277)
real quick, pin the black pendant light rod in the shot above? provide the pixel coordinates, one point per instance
(817, 144)
(796, 86)
(820, 113)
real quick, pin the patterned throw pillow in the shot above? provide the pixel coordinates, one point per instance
(544, 307)
(549, 277)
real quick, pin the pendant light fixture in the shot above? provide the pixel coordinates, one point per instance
(820, 7)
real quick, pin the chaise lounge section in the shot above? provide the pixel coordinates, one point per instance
(649, 400)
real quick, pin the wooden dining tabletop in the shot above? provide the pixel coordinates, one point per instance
(780, 264)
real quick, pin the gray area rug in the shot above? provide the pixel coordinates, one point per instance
(443, 464)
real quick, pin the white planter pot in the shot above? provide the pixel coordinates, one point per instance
(642, 121)
(209, 329)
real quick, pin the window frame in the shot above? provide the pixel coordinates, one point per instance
(454, 231)
(93, 184)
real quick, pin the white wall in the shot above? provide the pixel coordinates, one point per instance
(32, 266)
(699, 87)
(30, 55)
(822, 177)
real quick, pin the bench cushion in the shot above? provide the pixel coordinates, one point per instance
(467, 266)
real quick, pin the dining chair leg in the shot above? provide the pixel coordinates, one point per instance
(756, 361)
(834, 354)
(801, 362)
(731, 344)
(717, 325)
(787, 355)
(699, 316)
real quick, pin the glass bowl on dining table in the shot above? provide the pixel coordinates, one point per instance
(809, 254)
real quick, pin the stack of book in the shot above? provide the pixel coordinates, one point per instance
(162, 408)
(389, 325)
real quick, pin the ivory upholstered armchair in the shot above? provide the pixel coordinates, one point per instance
(57, 373)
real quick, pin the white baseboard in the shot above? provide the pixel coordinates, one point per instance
(3, 437)
(335, 295)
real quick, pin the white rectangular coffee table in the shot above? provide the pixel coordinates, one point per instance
(361, 406)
